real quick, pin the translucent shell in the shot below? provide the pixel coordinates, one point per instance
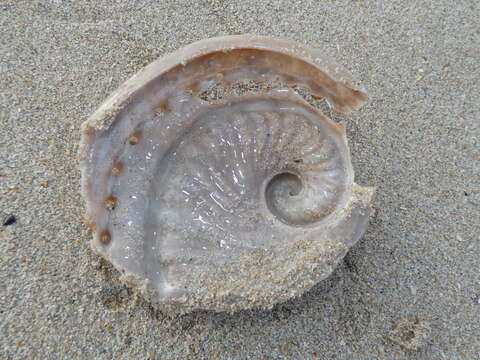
(231, 200)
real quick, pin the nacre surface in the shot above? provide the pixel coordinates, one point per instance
(241, 201)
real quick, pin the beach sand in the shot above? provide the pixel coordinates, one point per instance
(410, 289)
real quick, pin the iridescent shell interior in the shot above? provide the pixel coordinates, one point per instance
(242, 201)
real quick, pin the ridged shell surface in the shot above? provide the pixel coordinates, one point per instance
(242, 202)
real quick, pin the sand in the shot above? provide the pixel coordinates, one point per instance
(410, 289)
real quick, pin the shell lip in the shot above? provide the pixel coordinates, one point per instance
(337, 73)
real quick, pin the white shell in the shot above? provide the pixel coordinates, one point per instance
(241, 202)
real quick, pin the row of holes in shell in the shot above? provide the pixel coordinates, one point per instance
(111, 202)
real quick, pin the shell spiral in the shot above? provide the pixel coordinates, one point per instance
(242, 202)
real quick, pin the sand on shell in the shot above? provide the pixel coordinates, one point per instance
(410, 289)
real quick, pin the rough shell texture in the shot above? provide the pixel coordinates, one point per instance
(245, 201)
